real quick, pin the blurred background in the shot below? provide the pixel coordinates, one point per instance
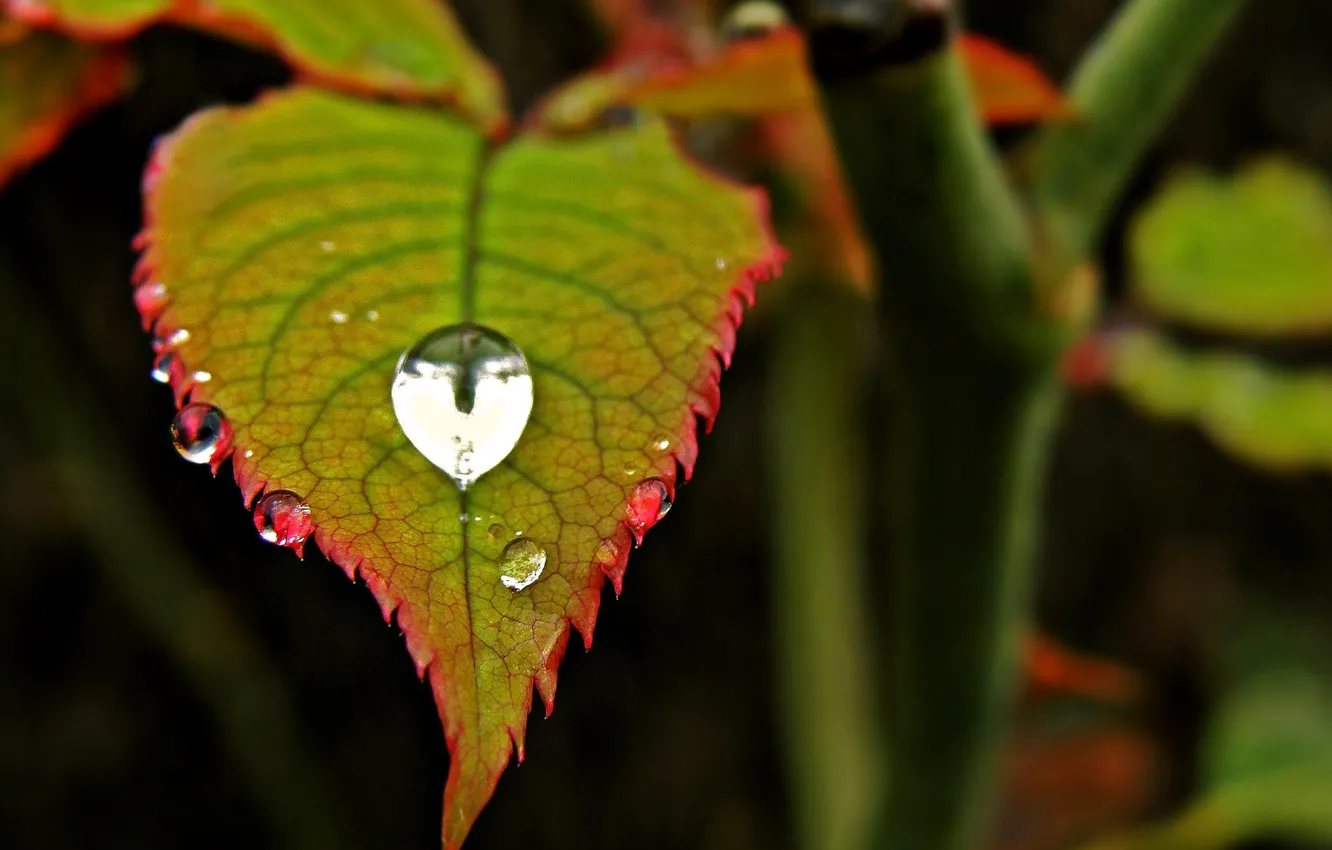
(1158, 549)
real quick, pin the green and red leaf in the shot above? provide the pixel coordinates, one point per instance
(412, 49)
(308, 240)
(47, 83)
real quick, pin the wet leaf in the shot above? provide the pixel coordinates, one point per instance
(1250, 254)
(46, 84)
(407, 48)
(305, 242)
(1263, 415)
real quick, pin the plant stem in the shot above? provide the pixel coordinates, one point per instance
(815, 391)
(1125, 90)
(156, 580)
(971, 362)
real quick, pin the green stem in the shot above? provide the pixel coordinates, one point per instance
(816, 390)
(971, 359)
(1125, 90)
(166, 592)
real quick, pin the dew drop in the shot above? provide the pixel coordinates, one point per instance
(650, 501)
(202, 377)
(630, 469)
(462, 396)
(202, 433)
(661, 443)
(372, 315)
(170, 340)
(521, 563)
(338, 317)
(327, 246)
(168, 368)
(721, 264)
(282, 517)
(495, 532)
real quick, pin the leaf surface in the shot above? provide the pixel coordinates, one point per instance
(1261, 414)
(1250, 255)
(46, 84)
(1010, 89)
(407, 48)
(307, 241)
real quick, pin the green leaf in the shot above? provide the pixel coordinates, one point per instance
(307, 241)
(1265, 416)
(406, 48)
(46, 84)
(1267, 771)
(1250, 255)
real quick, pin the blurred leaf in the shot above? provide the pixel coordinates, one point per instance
(1250, 254)
(769, 74)
(1008, 88)
(1051, 667)
(47, 83)
(1267, 771)
(1265, 416)
(406, 48)
(307, 241)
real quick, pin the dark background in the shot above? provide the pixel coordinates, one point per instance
(665, 736)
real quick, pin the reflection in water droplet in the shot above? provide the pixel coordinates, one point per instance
(650, 501)
(722, 264)
(338, 317)
(495, 532)
(462, 396)
(170, 340)
(202, 433)
(168, 368)
(203, 377)
(521, 563)
(282, 517)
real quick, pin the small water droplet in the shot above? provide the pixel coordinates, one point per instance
(282, 517)
(202, 433)
(462, 518)
(338, 317)
(495, 532)
(721, 264)
(650, 501)
(249, 453)
(661, 443)
(463, 395)
(630, 469)
(170, 340)
(372, 315)
(168, 368)
(328, 246)
(521, 563)
(203, 377)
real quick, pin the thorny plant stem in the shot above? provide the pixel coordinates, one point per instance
(970, 354)
(816, 444)
(157, 582)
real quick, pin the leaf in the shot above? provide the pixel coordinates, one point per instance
(46, 84)
(1267, 771)
(767, 75)
(1250, 255)
(1262, 415)
(407, 48)
(1008, 88)
(306, 241)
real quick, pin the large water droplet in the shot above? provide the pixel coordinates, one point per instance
(202, 434)
(521, 563)
(463, 395)
(282, 517)
(650, 501)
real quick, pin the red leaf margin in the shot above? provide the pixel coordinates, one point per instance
(202, 15)
(703, 402)
(105, 79)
